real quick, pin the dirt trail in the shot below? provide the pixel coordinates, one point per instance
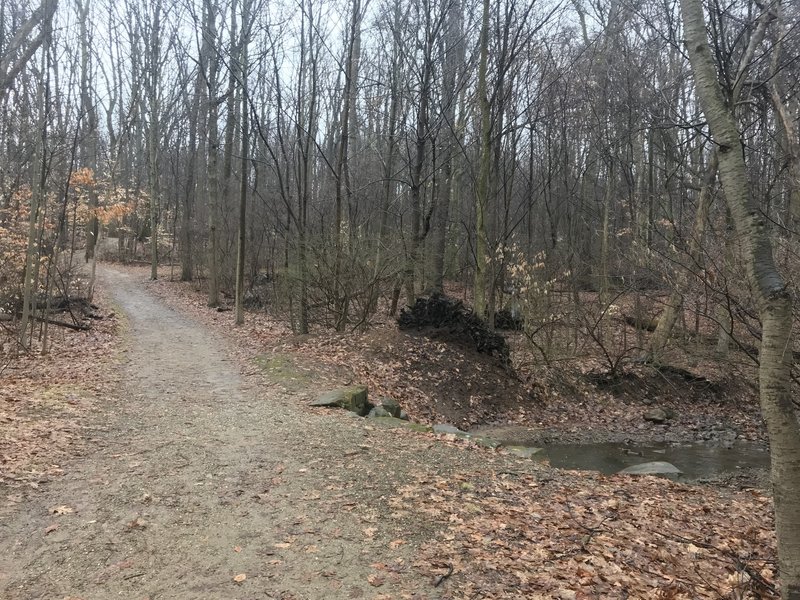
(197, 473)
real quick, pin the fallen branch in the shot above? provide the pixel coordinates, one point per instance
(644, 323)
(739, 563)
(73, 326)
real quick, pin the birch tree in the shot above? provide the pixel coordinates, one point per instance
(773, 299)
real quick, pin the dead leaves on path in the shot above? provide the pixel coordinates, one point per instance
(578, 535)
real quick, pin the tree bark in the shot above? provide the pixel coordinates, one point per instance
(38, 195)
(14, 57)
(791, 146)
(773, 299)
(153, 133)
(453, 59)
(481, 197)
(212, 154)
(389, 183)
(245, 115)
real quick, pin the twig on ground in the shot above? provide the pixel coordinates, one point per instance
(440, 580)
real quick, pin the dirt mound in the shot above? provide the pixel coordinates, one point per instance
(450, 319)
(443, 382)
(434, 379)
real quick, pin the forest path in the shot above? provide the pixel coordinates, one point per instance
(197, 473)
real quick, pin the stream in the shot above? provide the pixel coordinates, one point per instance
(697, 461)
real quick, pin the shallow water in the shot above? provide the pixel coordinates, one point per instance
(697, 461)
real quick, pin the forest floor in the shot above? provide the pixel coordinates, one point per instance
(165, 454)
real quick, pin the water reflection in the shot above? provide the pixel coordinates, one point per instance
(696, 461)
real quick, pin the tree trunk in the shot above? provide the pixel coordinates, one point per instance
(38, 197)
(89, 110)
(481, 197)
(16, 53)
(212, 178)
(422, 131)
(450, 61)
(674, 305)
(774, 302)
(391, 145)
(153, 134)
(245, 115)
(791, 146)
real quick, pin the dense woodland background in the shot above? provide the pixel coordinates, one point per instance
(547, 160)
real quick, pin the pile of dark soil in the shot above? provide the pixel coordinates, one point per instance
(458, 323)
(508, 320)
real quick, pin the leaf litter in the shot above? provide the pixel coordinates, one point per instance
(473, 523)
(536, 532)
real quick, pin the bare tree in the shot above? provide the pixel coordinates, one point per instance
(21, 48)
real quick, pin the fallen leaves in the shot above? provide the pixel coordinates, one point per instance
(538, 534)
(44, 400)
(62, 510)
(136, 523)
(594, 536)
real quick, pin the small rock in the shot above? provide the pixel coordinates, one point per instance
(404, 416)
(379, 411)
(486, 442)
(390, 405)
(652, 468)
(523, 451)
(393, 422)
(657, 415)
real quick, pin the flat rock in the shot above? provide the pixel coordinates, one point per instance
(444, 428)
(658, 467)
(395, 422)
(657, 415)
(523, 451)
(353, 398)
(487, 442)
(379, 411)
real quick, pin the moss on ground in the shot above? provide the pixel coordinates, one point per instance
(283, 369)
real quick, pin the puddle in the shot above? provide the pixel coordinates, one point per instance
(696, 461)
